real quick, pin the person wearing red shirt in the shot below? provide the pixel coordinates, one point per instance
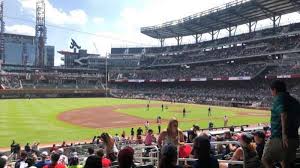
(54, 162)
(106, 163)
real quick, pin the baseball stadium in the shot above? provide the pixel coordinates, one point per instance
(228, 98)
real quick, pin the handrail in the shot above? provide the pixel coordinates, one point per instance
(219, 160)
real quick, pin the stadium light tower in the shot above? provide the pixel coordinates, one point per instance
(40, 33)
(2, 29)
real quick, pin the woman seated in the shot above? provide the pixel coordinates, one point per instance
(169, 157)
(247, 153)
(201, 151)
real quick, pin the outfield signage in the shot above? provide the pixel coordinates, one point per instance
(282, 76)
(198, 79)
(194, 79)
(136, 80)
(168, 80)
(240, 78)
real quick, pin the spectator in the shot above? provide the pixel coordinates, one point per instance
(106, 163)
(21, 162)
(149, 138)
(30, 162)
(147, 125)
(194, 133)
(2, 163)
(173, 135)
(259, 138)
(12, 146)
(44, 161)
(169, 156)
(116, 138)
(246, 152)
(132, 133)
(53, 148)
(63, 144)
(201, 151)
(54, 162)
(123, 136)
(125, 158)
(63, 159)
(109, 146)
(139, 132)
(27, 148)
(35, 147)
(284, 128)
(74, 161)
(91, 151)
(93, 162)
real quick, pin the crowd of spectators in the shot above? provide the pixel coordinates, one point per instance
(208, 71)
(208, 92)
(241, 38)
(266, 46)
(199, 147)
(285, 69)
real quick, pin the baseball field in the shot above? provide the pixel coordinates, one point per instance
(55, 120)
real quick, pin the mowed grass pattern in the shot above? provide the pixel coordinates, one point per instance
(35, 120)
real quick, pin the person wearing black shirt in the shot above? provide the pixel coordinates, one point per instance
(139, 131)
(132, 133)
(27, 148)
(259, 138)
(209, 111)
(201, 151)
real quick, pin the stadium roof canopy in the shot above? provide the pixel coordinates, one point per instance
(232, 14)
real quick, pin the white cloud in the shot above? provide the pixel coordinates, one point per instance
(55, 15)
(20, 29)
(98, 20)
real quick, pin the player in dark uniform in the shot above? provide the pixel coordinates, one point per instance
(162, 107)
(148, 107)
(209, 111)
(183, 112)
(158, 124)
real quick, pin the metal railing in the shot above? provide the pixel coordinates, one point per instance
(233, 162)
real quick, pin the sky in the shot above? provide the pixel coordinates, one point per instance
(102, 24)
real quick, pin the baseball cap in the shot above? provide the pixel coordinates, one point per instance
(44, 154)
(74, 154)
(4, 157)
(185, 151)
(60, 150)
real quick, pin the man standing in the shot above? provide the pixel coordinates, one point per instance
(284, 140)
(225, 121)
(147, 125)
(159, 124)
(209, 111)
(162, 107)
(183, 112)
(139, 132)
(148, 106)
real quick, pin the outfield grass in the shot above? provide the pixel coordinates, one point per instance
(36, 120)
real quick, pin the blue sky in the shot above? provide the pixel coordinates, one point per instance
(116, 22)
